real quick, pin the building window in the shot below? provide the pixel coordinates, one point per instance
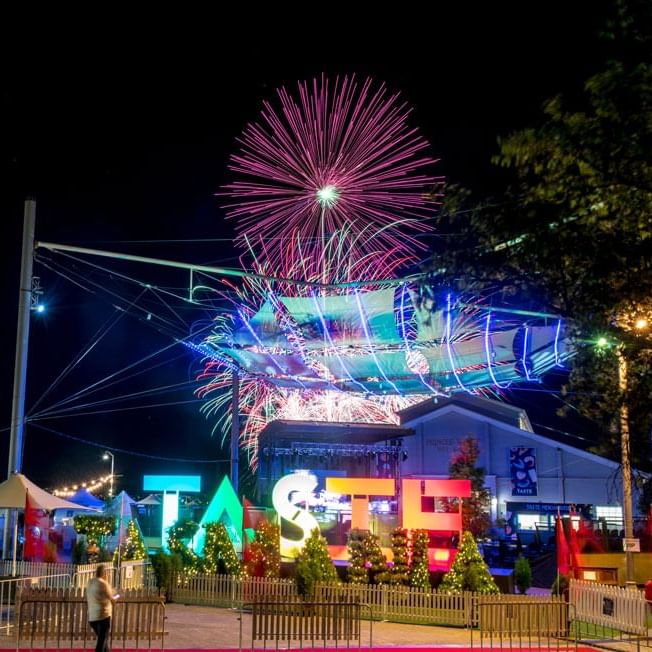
(613, 515)
(532, 521)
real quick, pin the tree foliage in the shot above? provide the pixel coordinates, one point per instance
(313, 564)
(263, 558)
(179, 536)
(219, 555)
(419, 573)
(133, 547)
(464, 466)
(367, 563)
(573, 234)
(94, 526)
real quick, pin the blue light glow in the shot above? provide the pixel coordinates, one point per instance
(333, 347)
(245, 321)
(40, 308)
(487, 348)
(524, 358)
(363, 319)
(170, 515)
(557, 362)
(407, 344)
(449, 348)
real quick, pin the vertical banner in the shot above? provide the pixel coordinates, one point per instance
(37, 523)
(523, 471)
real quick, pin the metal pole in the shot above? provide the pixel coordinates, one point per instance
(626, 464)
(235, 430)
(15, 461)
(221, 271)
(22, 339)
(111, 480)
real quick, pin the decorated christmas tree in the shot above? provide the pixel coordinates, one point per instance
(264, 557)
(469, 571)
(376, 560)
(179, 536)
(313, 564)
(358, 572)
(419, 575)
(219, 554)
(133, 546)
(366, 560)
(399, 571)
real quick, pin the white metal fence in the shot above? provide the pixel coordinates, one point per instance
(131, 575)
(607, 606)
(10, 590)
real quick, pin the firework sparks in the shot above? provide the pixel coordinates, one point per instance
(333, 183)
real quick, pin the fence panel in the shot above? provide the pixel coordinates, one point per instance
(284, 621)
(60, 616)
(402, 603)
(35, 568)
(608, 606)
(226, 590)
(10, 590)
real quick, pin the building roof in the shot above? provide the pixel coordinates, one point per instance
(497, 413)
(280, 431)
(508, 414)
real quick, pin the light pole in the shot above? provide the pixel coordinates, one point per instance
(106, 456)
(639, 326)
(627, 467)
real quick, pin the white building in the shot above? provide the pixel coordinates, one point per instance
(530, 476)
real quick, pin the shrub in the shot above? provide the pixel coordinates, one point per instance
(522, 574)
(313, 564)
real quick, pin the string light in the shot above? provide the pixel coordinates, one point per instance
(89, 485)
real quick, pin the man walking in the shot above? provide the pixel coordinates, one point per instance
(100, 598)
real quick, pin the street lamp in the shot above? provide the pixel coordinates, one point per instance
(640, 326)
(106, 456)
(627, 467)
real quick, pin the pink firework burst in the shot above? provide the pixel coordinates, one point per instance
(332, 183)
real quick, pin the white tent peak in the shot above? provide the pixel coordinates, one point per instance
(13, 492)
(152, 499)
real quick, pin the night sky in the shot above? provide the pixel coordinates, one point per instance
(119, 145)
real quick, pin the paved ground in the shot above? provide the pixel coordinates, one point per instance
(209, 627)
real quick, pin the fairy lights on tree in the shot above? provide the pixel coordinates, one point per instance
(398, 574)
(367, 563)
(419, 575)
(219, 554)
(264, 556)
(132, 547)
(469, 572)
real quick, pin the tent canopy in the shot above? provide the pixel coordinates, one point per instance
(121, 505)
(85, 498)
(13, 493)
(150, 500)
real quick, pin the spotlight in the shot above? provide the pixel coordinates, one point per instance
(405, 455)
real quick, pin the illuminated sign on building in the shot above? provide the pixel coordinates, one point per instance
(171, 485)
(416, 494)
